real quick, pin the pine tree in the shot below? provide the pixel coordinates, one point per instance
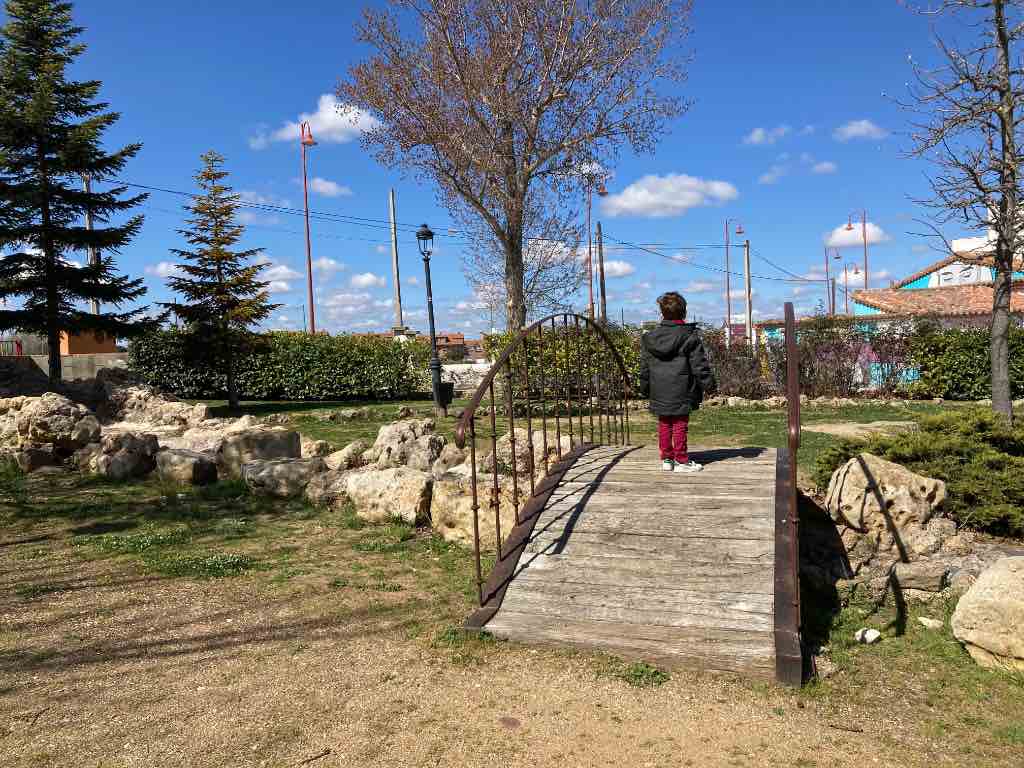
(223, 295)
(50, 133)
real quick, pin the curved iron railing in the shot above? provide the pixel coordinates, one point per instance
(563, 374)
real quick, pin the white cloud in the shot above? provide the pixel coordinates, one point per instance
(163, 269)
(279, 272)
(326, 266)
(859, 129)
(654, 196)
(826, 166)
(345, 299)
(279, 286)
(700, 286)
(412, 280)
(382, 248)
(773, 174)
(367, 280)
(618, 268)
(329, 124)
(761, 136)
(807, 130)
(841, 237)
(919, 248)
(329, 188)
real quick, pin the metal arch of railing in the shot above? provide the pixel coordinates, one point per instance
(569, 378)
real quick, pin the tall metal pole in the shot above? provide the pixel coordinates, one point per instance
(750, 305)
(600, 274)
(831, 302)
(846, 286)
(94, 256)
(590, 253)
(864, 234)
(435, 361)
(399, 324)
(728, 291)
(309, 249)
(833, 296)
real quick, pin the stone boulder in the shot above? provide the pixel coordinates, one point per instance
(345, 414)
(451, 509)
(55, 420)
(870, 494)
(451, 456)
(283, 478)
(185, 467)
(311, 447)
(349, 457)
(328, 489)
(989, 619)
(400, 442)
(382, 495)
(129, 400)
(259, 444)
(512, 451)
(33, 458)
(123, 456)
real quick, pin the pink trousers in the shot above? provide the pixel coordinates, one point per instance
(672, 438)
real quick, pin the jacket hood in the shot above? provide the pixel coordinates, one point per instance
(665, 341)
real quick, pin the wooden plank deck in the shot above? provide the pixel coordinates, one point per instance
(674, 569)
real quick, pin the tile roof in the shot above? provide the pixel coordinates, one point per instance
(948, 301)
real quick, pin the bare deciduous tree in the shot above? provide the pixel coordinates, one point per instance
(491, 99)
(552, 268)
(969, 114)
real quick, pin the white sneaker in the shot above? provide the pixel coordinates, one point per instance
(667, 465)
(691, 466)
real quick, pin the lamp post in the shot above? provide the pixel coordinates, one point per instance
(864, 237)
(425, 239)
(728, 285)
(306, 140)
(592, 181)
(846, 283)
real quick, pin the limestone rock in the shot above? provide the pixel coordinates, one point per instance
(382, 495)
(397, 441)
(867, 636)
(871, 494)
(989, 619)
(927, 575)
(328, 489)
(451, 456)
(129, 400)
(405, 412)
(515, 458)
(346, 414)
(54, 419)
(202, 438)
(32, 458)
(126, 456)
(927, 623)
(283, 478)
(451, 509)
(349, 457)
(260, 444)
(424, 452)
(186, 467)
(310, 447)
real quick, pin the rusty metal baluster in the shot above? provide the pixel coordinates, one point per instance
(531, 465)
(578, 377)
(495, 498)
(590, 380)
(512, 441)
(600, 409)
(558, 423)
(476, 510)
(622, 411)
(626, 395)
(543, 393)
(568, 381)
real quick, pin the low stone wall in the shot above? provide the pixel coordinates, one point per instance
(83, 366)
(466, 376)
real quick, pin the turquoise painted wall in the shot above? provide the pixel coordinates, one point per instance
(860, 309)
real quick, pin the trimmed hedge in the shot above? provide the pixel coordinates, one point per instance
(284, 365)
(980, 459)
(953, 363)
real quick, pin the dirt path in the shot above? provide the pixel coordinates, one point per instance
(118, 669)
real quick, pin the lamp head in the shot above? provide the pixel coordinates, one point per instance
(306, 135)
(425, 239)
(739, 229)
(849, 224)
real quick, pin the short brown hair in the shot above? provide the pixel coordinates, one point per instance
(672, 305)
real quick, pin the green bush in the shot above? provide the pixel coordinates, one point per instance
(978, 456)
(953, 363)
(284, 366)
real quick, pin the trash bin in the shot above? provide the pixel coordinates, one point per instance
(447, 393)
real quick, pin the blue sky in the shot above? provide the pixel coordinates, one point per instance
(791, 130)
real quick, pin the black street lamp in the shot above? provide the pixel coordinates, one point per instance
(425, 239)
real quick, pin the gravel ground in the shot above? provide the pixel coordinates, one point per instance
(122, 669)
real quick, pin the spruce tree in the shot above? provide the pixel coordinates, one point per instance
(223, 295)
(50, 133)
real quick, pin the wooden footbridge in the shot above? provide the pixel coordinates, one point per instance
(607, 551)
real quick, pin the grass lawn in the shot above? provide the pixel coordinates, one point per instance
(148, 625)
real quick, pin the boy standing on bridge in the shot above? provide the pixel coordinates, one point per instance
(674, 375)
